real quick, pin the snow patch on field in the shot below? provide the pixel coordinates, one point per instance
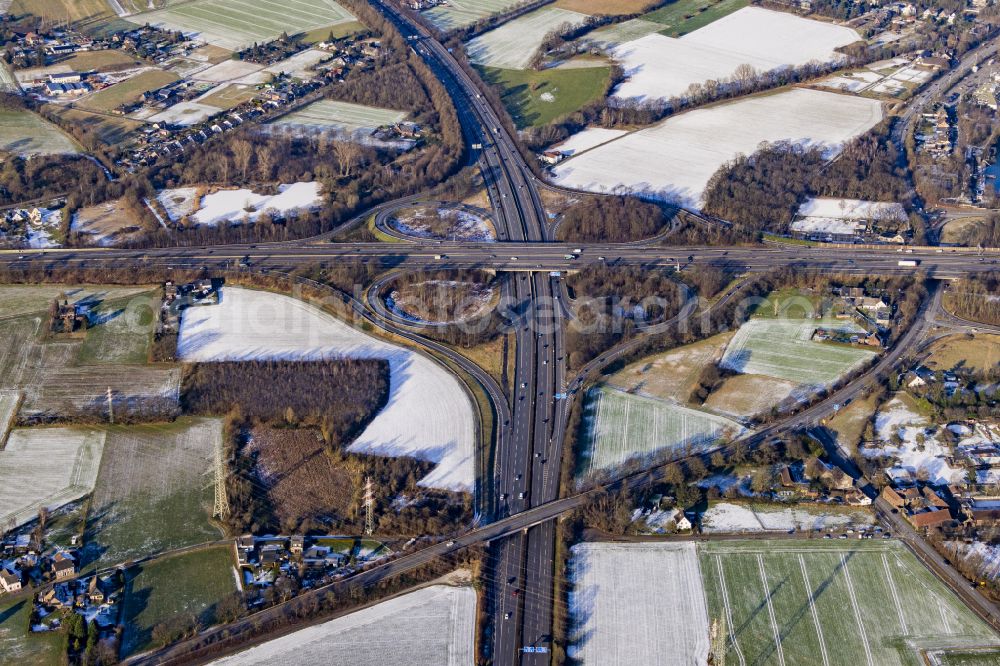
(178, 202)
(235, 206)
(918, 450)
(428, 414)
(663, 67)
(637, 603)
(587, 139)
(435, 625)
(46, 467)
(674, 160)
(229, 70)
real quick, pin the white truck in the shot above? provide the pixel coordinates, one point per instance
(907, 262)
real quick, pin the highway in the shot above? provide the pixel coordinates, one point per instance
(523, 504)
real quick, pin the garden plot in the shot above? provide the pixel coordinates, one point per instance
(660, 67)
(621, 426)
(237, 206)
(236, 24)
(587, 139)
(830, 602)
(514, 44)
(443, 224)
(434, 625)
(675, 159)
(909, 437)
(154, 491)
(460, 13)
(637, 603)
(355, 120)
(25, 133)
(428, 415)
(782, 348)
(46, 467)
(730, 517)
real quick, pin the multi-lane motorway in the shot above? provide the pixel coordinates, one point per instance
(531, 428)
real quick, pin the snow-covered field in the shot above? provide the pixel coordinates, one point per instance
(513, 44)
(850, 209)
(46, 467)
(729, 517)
(456, 13)
(782, 348)
(587, 139)
(621, 426)
(235, 206)
(919, 450)
(435, 625)
(637, 603)
(185, 114)
(675, 159)
(428, 414)
(229, 70)
(658, 66)
(344, 117)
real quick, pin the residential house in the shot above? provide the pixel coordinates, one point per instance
(9, 581)
(63, 566)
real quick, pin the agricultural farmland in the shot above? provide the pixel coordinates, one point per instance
(154, 490)
(513, 44)
(26, 133)
(621, 426)
(46, 467)
(835, 603)
(536, 98)
(831, 602)
(635, 603)
(701, 141)
(191, 584)
(460, 13)
(120, 332)
(782, 348)
(685, 16)
(237, 205)
(339, 117)
(235, 24)
(434, 625)
(17, 644)
(663, 67)
(127, 91)
(428, 415)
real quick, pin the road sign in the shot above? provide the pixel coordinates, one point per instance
(560, 396)
(530, 649)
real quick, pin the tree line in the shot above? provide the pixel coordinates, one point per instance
(616, 219)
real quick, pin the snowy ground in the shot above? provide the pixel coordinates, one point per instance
(46, 467)
(356, 120)
(229, 70)
(443, 224)
(658, 66)
(185, 114)
(782, 348)
(178, 202)
(428, 415)
(435, 625)
(513, 44)
(729, 517)
(637, 603)
(587, 139)
(919, 451)
(849, 209)
(235, 206)
(675, 159)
